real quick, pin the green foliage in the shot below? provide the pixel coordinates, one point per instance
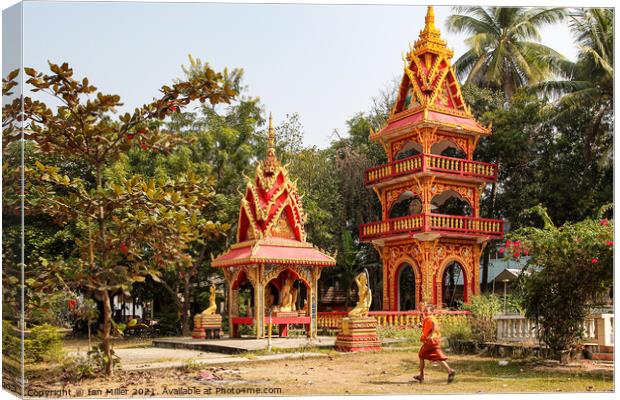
(569, 269)
(483, 308)
(43, 343)
(11, 341)
(168, 324)
(501, 51)
(455, 328)
(99, 360)
(125, 227)
(76, 368)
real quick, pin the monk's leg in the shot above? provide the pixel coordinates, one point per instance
(422, 368)
(446, 366)
(451, 372)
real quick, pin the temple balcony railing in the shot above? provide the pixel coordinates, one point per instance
(433, 223)
(456, 167)
(387, 319)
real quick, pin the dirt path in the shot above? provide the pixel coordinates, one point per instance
(385, 372)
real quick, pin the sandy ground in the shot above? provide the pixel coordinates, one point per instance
(386, 372)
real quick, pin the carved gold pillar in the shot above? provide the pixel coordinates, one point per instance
(427, 268)
(256, 277)
(233, 305)
(477, 251)
(313, 305)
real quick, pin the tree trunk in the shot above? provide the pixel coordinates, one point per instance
(107, 324)
(185, 310)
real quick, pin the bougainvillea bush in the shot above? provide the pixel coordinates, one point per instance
(570, 269)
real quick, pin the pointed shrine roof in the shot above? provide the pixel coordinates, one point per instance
(271, 221)
(430, 94)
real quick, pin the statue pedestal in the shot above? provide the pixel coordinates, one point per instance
(199, 331)
(358, 334)
(212, 324)
(207, 326)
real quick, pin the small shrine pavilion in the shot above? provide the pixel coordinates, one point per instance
(431, 234)
(272, 268)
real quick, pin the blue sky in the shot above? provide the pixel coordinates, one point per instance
(324, 62)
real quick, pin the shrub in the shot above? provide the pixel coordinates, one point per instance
(11, 341)
(455, 328)
(168, 324)
(44, 343)
(76, 368)
(483, 308)
(570, 267)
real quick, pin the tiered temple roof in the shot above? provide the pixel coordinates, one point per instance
(271, 220)
(430, 94)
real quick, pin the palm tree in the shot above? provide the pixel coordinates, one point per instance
(504, 52)
(588, 82)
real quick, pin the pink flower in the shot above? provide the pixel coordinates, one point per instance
(594, 260)
(604, 222)
(517, 254)
(517, 243)
(609, 243)
(526, 253)
(501, 250)
(508, 243)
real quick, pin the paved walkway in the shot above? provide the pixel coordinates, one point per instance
(236, 346)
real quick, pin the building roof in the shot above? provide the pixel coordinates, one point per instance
(271, 220)
(273, 251)
(430, 94)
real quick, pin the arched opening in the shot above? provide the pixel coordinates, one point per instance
(448, 148)
(289, 291)
(246, 299)
(406, 288)
(451, 203)
(406, 204)
(453, 286)
(410, 149)
(272, 296)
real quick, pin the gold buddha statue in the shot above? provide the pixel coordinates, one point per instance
(286, 297)
(364, 296)
(212, 306)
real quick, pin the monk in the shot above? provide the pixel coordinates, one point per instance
(431, 345)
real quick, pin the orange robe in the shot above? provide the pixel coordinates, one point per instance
(431, 349)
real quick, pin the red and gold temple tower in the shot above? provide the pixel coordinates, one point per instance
(272, 261)
(430, 188)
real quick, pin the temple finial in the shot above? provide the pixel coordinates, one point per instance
(272, 134)
(429, 20)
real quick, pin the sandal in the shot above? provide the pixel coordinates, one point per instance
(451, 376)
(418, 378)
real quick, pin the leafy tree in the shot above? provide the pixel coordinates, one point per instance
(220, 143)
(503, 50)
(570, 268)
(588, 83)
(119, 222)
(347, 262)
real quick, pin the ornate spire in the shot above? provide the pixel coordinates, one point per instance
(271, 141)
(429, 21)
(271, 163)
(430, 40)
